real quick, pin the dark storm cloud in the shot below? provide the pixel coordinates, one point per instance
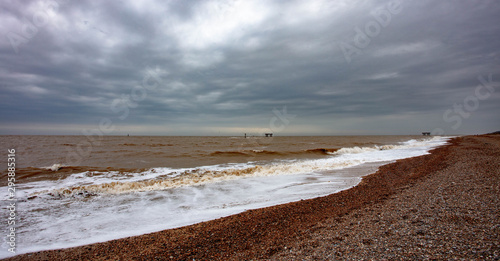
(225, 65)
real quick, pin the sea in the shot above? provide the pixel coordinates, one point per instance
(77, 190)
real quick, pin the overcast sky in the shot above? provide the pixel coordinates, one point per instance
(238, 66)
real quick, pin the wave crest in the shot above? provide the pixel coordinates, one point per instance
(195, 177)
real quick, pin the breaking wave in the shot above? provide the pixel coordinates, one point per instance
(55, 167)
(195, 177)
(165, 178)
(404, 145)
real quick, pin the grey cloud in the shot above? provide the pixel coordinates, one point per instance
(223, 68)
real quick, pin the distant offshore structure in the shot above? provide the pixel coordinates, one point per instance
(269, 135)
(426, 133)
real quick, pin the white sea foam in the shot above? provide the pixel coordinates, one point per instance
(402, 146)
(94, 206)
(55, 167)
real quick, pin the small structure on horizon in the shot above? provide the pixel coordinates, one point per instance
(269, 134)
(426, 133)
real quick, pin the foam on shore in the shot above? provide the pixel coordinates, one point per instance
(92, 207)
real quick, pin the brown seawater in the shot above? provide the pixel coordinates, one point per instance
(142, 152)
(76, 190)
